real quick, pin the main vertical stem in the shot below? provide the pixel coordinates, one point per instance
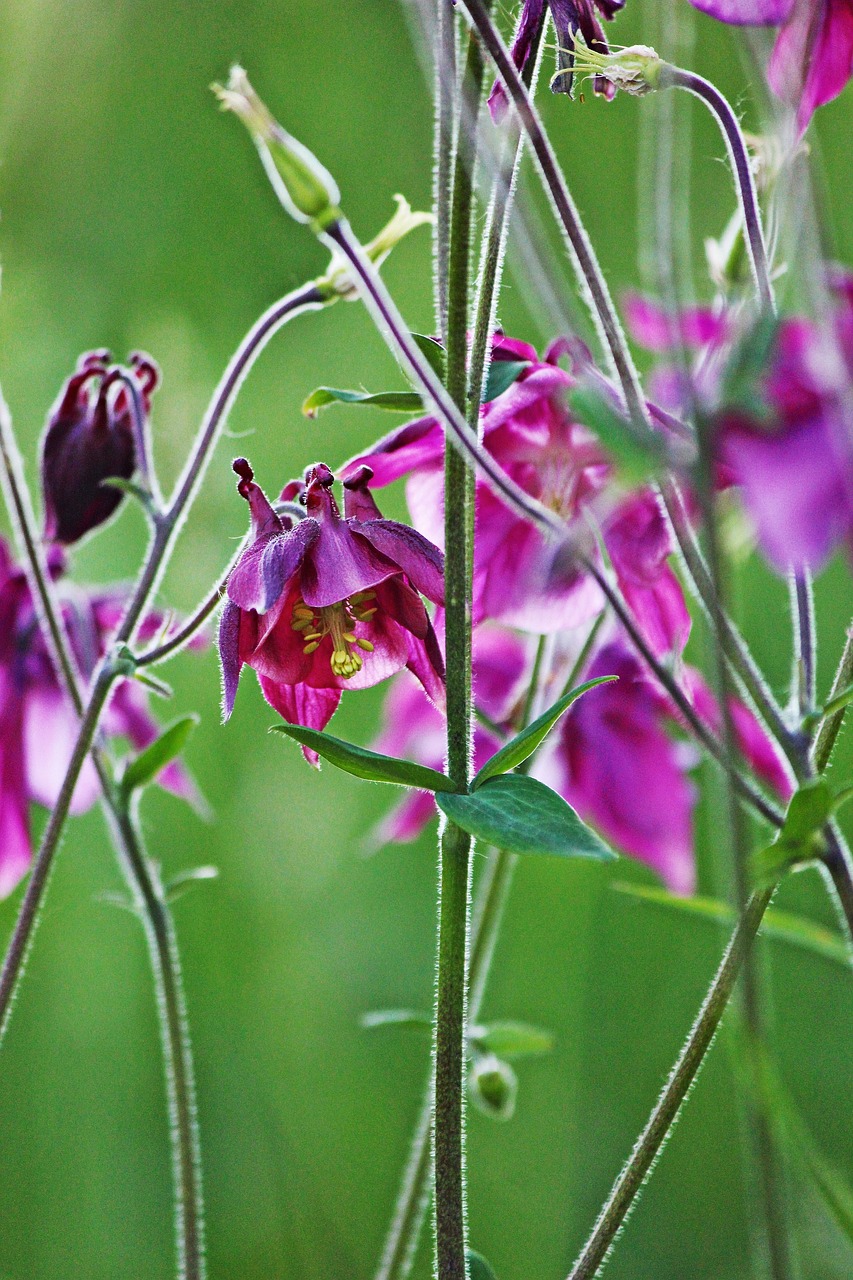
(455, 851)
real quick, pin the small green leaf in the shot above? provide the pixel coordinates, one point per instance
(434, 352)
(395, 401)
(522, 815)
(800, 838)
(517, 750)
(502, 374)
(131, 490)
(636, 457)
(160, 687)
(184, 880)
(781, 926)
(149, 763)
(478, 1267)
(512, 1039)
(366, 764)
(395, 1018)
(838, 703)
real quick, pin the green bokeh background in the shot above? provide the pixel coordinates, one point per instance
(134, 215)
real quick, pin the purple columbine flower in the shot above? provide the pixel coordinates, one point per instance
(787, 446)
(569, 17)
(91, 437)
(812, 59)
(38, 725)
(330, 602)
(534, 437)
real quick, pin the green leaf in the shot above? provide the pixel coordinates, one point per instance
(395, 401)
(502, 374)
(184, 880)
(512, 1039)
(782, 926)
(160, 687)
(395, 1018)
(799, 839)
(521, 815)
(149, 763)
(636, 457)
(478, 1267)
(132, 490)
(434, 352)
(366, 764)
(516, 751)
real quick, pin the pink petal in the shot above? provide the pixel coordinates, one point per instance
(260, 575)
(15, 849)
(299, 704)
(50, 731)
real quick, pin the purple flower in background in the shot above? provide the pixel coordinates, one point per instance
(569, 17)
(90, 437)
(639, 544)
(330, 602)
(38, 725)
(413, 727)
(812, 59)
(615, 762)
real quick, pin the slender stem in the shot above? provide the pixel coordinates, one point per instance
(839, 864)
(391, 324)
(670, 684)
(718, 105)
(593, 284)
(805, 640)
(144, 881)
(830, 728)
(142, 439)
(445, 93)
(630, 1181)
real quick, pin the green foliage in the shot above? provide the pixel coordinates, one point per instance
(511, 1039)
(360, 762)
(149, 763)
(394, 401)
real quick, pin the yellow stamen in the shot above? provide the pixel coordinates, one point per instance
(309, 648)
(365, 645)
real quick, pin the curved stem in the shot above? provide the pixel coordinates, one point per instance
(593, 283)
(830, 727)
(805, 640)
(719, 106)
(630, 1181)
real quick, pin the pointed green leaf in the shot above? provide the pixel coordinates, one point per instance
(799, 839)
(434, 352)
(522, 815)
(396, 1018)
(395, 401)
(184, 880)
(366, 764)
(148, 764)
(502, 374)
(636, 457)
(132, 490)
(782, 926)
(511, 1039)
(156, 685)
(515, 752)
(478, 1267)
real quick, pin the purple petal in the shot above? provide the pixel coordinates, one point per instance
(229, 655)
(50, 733)
(758, 749)
(414, 445)
(500, 669)
(638, 541)
(299, 704)
(812, 59)
(660, 331)
(419, 559)
(528, 24)
(260, 575)
(15, 849)
(746, 13)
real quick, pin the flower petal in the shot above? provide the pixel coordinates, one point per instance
(419, 559)
(301, 704)
(15, 849)
(50, 732)
(260, 575)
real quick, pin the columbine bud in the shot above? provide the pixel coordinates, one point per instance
(338, 281)
(90, 437)
(493, 1086)
(308, 192)
(636, 69)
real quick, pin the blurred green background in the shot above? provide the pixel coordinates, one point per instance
(135, 215)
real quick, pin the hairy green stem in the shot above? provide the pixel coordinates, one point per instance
(630, 1181)
(830, 727)
(445, 94)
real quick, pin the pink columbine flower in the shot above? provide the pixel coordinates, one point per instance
(330, 602)
(90, 437)
(534, 437)
(812, 59)
(38, 725)
(789, 449)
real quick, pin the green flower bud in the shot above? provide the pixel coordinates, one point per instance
(308, 192)
(493, 1086)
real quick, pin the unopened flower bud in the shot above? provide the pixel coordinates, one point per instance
(91, 437)
(308, 192)
(493, 1086)
(635, 69)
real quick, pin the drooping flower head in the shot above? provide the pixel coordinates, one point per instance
(812, 59)
(90, 437)
(38, 725)
(330, 601)
(569, 17)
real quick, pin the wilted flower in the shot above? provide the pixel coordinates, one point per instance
(531, 432)
(812, 59)
(569, 17)
(38, 725)
(329, 602)
(91, 437)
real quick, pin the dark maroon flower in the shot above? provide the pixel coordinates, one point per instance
(570, 17)
(91, 437)
(330, 602)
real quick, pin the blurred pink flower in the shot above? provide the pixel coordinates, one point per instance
(329, 602)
